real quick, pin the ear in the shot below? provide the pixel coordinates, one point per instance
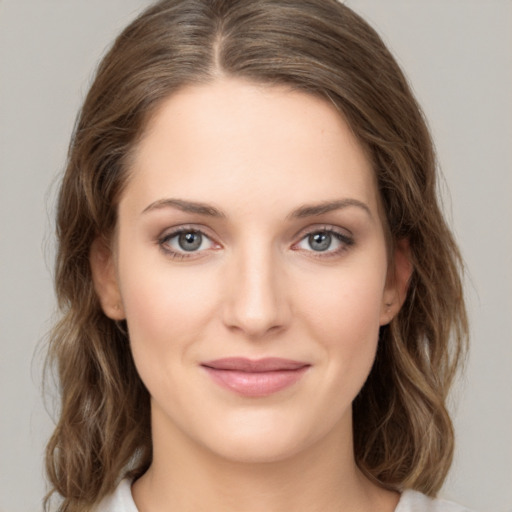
(397, 282)
(105, 280)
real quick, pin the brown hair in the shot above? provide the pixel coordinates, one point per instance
(402, 432)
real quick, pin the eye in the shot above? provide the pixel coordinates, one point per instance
(320, 241)
(324, 241)
(189, 241)
(185, 242)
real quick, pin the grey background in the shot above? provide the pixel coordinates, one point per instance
(458, 56)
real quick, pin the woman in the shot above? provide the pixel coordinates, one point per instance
(262, 304)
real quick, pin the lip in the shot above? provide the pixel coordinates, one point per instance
(255, 377)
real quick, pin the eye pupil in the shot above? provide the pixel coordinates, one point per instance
(319, 241)
(190, 241)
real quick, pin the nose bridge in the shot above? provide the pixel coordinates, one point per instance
(257, 300)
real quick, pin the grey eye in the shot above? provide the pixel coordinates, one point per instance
(186, 242)
(320, 241)
(190, 241)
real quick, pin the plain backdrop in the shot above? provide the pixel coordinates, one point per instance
(458, 57)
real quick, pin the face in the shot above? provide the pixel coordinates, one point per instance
(251, 266)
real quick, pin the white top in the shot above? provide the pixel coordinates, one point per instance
(410, 501)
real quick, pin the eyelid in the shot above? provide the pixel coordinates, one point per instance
(172, 232)
(180, 228)
(329, 228)
(344, 236)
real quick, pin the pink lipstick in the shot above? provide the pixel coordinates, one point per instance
(255, 377)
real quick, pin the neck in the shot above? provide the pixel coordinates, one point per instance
(186, 477)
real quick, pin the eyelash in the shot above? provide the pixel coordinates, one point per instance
(163, 242)
(345, 240)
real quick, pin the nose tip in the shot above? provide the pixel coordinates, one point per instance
(254, 327)
(256, 304)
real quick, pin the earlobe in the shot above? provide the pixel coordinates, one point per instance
(399, 275)
(105, 279)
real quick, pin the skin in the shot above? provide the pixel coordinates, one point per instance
(255, 288)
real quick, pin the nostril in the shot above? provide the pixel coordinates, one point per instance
(256, 318)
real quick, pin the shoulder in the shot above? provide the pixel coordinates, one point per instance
(119, 501)
(413, 501)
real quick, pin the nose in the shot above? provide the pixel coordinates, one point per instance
(256, 297)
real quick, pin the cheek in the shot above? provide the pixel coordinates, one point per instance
(165, 309)
(345, 321)
(347, 303)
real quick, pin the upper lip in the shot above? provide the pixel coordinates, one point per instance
(243, 364)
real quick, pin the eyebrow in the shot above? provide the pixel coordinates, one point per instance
(310, 210)
(185, 206)
(328, 206)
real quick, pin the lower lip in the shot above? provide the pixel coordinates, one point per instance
(256, 384)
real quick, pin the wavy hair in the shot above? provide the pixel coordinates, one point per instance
(403, 436)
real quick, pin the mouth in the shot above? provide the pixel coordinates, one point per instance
(255, 377)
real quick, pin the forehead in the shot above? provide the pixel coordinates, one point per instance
(233, 141)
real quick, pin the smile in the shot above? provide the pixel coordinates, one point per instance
(255, 378)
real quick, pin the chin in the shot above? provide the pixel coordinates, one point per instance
(259, 449)
(262, 440)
